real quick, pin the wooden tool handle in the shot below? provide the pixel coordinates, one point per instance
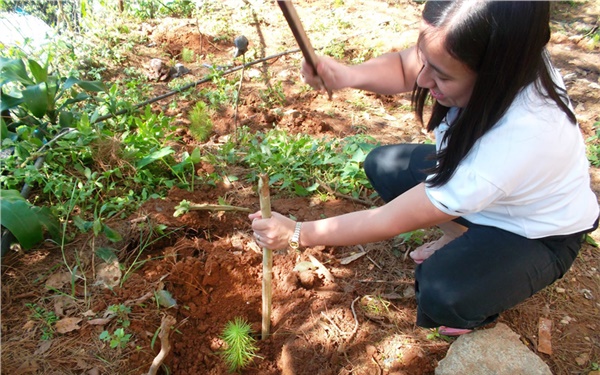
(289, 12)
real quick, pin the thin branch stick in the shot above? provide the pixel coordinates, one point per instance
(239, 91)
(267, 281)
(216, 207)
(365, 202)
(165, 346)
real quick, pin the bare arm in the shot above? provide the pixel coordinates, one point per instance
(391, 73)
(412, 210)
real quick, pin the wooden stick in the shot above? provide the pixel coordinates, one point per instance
(289, 12)
(165, 346)
(267, 284)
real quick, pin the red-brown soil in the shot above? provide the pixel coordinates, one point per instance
(362, 321)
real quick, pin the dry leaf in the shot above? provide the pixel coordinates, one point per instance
(545, 336)
(58, 280)
(67, 325)
(108, 274)
(99, 322)
(352, 258)
(44, 346)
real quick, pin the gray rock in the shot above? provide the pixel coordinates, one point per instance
(495, 351)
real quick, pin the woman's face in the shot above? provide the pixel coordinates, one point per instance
(449, 81)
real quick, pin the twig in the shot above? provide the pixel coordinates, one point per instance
(165, 346)
(342, 348)
(267, 280)
(216, 207)
(366, 202)
(237, 99)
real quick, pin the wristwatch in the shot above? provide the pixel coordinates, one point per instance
(295, 240)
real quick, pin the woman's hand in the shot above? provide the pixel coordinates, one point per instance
(273, 233)
(333, 74)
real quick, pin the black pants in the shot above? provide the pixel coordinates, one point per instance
(487, 270)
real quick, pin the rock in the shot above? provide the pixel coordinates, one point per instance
(158, 70)
(496, 351)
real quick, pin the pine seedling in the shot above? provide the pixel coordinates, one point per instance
(240, 348)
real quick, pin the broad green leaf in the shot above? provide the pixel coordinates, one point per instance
(3, 130)
(65, 119)
(9, 102)
(112, 234)
(40, 74)
(14, 70)
(69, 83)
(154, 156)
(94, 86)
(107, 254)
(196, 157)
(17, 216)
(36, 98)
(48, 221)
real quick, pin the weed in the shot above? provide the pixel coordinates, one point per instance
(241, 348)
(117, 339)
(200, 123)
(47, 318)
(273, 96)
(593, 146)
(187, 55)
(375, 305)
(122, 313)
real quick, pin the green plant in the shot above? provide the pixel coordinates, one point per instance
(25, 221)
(187, 55)
(121, 312)
(34, 98)
(47, 318)
(240, 345)
(273, 95)
(117, 339)
(593, 146)
(200, 123)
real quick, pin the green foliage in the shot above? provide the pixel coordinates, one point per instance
(300, 163)
(241, 348)
(593, 146)
(122, 312)
(117, 339)
(38, 100)
(47, 318)
(25, 221)
(145, 9)
(273, 96)
(187, 55)
(200, 123)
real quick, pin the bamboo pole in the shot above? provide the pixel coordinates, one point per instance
(267, 284)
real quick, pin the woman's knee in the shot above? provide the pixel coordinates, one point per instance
(446, 306)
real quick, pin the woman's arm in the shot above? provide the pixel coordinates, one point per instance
(388, 74)
(410, 211)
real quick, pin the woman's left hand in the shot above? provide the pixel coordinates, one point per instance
(273, 233)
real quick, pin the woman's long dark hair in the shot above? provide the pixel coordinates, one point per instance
(504, 43)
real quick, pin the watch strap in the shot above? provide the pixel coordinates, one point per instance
(294, 242)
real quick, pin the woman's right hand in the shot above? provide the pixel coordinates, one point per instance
(332, 73)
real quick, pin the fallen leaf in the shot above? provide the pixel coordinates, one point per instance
(545, 336)
(99, 322)
(108, 274)
(29, 325)
(67, 325)
(352, 258)
(58, 280)
(44, 346)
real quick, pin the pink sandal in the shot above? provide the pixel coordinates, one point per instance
(449, 331)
